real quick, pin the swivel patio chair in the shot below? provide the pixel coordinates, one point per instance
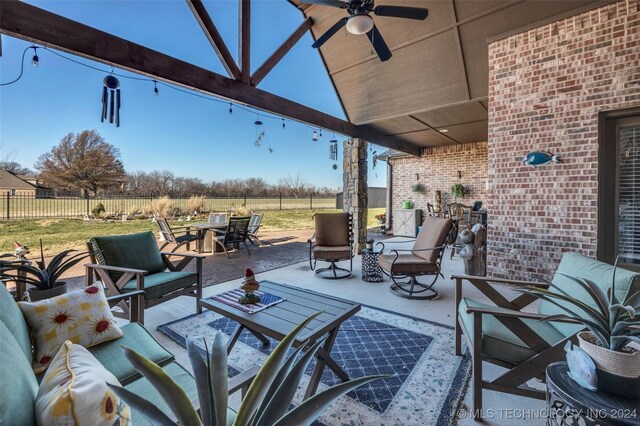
(179, 236)
(500, 333)
(236, 233)
(424, 258)
(126, 263)
(332, 242)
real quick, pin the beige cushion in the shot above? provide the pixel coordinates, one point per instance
(332, 229)
(332, 253)
(81, 316)
(74, 391)
(433, 233)
(406, 264)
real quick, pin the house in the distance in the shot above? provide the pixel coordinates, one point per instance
(22, 186)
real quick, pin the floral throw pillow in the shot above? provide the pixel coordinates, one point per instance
(74, 391)
(82, 316)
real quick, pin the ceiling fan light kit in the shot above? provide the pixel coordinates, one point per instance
(360, 22)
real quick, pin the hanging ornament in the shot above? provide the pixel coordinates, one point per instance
(259, 133)
(333, 149)
(375, 158)
(314, 136)
(111, 96)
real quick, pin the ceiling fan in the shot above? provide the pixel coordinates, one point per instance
(360, 22)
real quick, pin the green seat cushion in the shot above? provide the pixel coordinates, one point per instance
(185, 380)
(600, 273)
(12, 318)
(137, 338)
(137, 251)
(18, 384)
(498, 341)
(163, 283)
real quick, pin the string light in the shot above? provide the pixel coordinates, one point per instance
(283, 125)
(155, 88)
(230, 108)
(314, 136)
(35, 60)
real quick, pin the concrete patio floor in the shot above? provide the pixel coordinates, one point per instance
(500, 408)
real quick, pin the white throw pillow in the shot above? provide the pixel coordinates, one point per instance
(82, 316)
(74, 391)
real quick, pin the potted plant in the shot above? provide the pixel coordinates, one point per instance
(417, 187)
(266, 402)
(457, 190)
(381, 218)
(44, 279)
(613, 331)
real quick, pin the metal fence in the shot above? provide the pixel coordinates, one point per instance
(28, 207)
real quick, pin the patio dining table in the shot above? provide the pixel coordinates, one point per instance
(202, 229)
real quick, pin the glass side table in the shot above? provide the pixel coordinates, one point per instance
(371, 271)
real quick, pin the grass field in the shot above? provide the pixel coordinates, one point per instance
(60, 234)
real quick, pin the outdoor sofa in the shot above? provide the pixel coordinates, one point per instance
(19, 383)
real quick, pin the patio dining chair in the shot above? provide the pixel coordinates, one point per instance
(235, 234)
(461, 215)
(501, 333)
(254, 226)
(217, 218)
(125, 263)
(424, 258)
(332, 242)
(179, 236)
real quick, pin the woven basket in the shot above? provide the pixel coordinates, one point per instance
(618, 363)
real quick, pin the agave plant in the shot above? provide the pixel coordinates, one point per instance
(41, 276)
(266, 402)
(614, 323)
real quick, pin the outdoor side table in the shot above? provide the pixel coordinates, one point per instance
(371, 271)
(570, 404)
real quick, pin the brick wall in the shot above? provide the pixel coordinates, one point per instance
(546, 88)
(437, 169)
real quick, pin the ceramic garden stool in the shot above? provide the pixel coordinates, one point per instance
(371, 271)
(570, 404)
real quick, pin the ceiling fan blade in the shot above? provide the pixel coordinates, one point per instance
(402, 12)
(379, 44)
(330, 32)
(332, 3)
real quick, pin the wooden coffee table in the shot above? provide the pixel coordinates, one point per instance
(279, 320)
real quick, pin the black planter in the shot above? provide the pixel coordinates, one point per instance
(36, 294)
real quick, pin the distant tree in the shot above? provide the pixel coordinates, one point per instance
(256, 186)
(294, 185)
(82, 161)
(15, 168)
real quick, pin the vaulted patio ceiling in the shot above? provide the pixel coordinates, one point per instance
(438, 76)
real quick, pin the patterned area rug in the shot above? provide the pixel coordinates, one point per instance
(428, 382)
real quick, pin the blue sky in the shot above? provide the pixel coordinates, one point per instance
(187, 135)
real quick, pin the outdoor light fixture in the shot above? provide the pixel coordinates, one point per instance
(35, 59)
(359, 24)
(443, 130)
(314, 136)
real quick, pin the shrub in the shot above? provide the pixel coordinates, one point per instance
(240, 211)
(162, 207)
(195, 204)
(98, 210)
(134, 211)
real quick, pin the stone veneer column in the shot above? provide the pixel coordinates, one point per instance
(354, 185)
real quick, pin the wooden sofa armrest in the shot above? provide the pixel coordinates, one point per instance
(133, 296)
(193, 256)
(243, 380)
(507, 281)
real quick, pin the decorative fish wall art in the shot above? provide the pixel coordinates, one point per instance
(538, 158)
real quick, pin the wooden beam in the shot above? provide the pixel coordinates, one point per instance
(214, 37)
(284, 48)
(26, 22)
(244, 44)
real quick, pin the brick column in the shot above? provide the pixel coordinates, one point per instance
(354, 185)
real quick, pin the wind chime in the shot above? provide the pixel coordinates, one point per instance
(333, 151)
(261, 135)
(111, 96)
